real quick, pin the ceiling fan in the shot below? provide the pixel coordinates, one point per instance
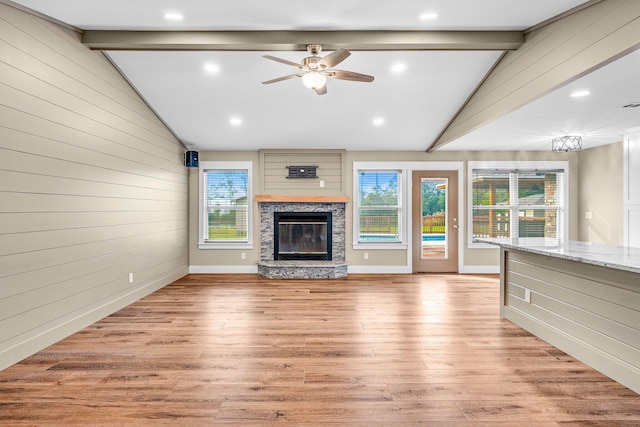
(316, 69)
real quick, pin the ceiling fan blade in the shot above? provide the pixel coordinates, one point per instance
(283, 61)
(321, 90)
(334, 58)
(279, 79)
(349, 75)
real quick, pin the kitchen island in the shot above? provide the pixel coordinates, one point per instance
(583, 298)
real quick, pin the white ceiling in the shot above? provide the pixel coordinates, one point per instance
(198, 106)
(415, 104)
(599, 118)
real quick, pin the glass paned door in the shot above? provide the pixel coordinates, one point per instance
(435, 222)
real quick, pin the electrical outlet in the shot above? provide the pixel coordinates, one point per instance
(366, 255)
(130, 277)
(321, 183)
(243, 255)
(527, 295)
(588, 215)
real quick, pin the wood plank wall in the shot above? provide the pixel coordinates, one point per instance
(591, 312)
(92, 188)
(330, 165)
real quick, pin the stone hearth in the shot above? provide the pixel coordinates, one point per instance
(302, 269)
(280, 269)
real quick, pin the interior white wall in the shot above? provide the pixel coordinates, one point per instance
(632, 190)
(473, 260)
(600, 211)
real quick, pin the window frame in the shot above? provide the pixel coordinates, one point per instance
(509, 166)
(402, 205)
(206, 166)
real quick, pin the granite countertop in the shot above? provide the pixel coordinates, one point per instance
(612, 256)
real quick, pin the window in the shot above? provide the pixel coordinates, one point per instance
(225, 205)
(379, 206)
(528, 203)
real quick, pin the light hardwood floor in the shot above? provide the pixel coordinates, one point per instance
(368, 350)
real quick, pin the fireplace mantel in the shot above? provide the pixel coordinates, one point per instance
(274, 198)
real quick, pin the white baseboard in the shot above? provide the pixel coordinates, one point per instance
(353, 269)
(620, 370)
(223, 269)
(76, 321)
(479, 269)
(378, 269)
(403, 269)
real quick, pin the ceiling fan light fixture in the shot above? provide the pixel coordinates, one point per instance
(314, 80)
(314, 70)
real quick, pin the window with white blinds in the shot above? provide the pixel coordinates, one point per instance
(225, 213)
(379, 204)
(523, 203)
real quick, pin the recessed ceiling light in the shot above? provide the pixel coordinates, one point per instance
(378, 121)
(235, 121)
(211, 68)
(173, 16)
(428, 16)
(398, 68)
(580, 93)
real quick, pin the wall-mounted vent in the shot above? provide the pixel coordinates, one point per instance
(302, 171)
(631, 105)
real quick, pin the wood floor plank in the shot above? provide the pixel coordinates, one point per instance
(340, 412)
(366, 350)
(283, 393)
(561, 410)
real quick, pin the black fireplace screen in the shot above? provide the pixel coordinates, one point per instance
(302, 236)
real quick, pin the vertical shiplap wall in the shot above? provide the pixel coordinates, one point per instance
(92, 188)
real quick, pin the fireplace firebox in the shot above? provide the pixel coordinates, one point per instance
(302, 236)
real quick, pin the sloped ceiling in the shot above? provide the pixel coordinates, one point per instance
(230, 109)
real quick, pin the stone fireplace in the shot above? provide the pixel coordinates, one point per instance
(312, 244)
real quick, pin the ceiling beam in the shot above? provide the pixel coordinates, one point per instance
(298, 40)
